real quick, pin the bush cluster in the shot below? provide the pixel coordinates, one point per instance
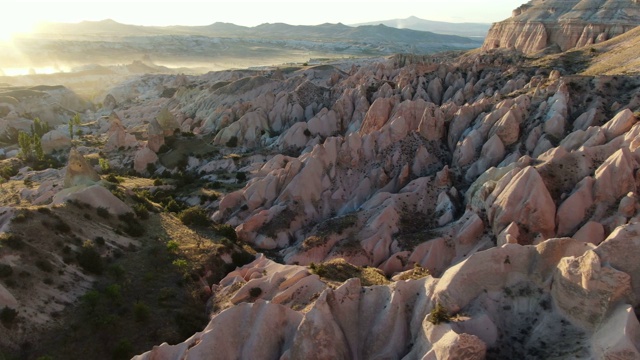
(194, 216)
(89, 259)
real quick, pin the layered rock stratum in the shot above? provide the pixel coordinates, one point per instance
(563, 25)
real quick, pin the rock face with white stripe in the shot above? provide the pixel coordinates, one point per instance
(541, 24)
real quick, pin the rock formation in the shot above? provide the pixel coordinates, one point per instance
(78, 171)
(81, 183)
(55, 140)
(395, 192)
(563, 25)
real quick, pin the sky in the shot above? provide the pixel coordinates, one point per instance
(20, 16)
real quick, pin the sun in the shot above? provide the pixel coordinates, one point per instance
(12, 25)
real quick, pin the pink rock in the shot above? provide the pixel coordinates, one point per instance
(155, 135)
(620, 250)
(509, 235)
(525, 200)
(621, 123)
(585, 291)
(591, 232)
(619, 335)
(573, 210)
(7, 299)
(507, 128)
(144, 157)
(268, 331)
(432, 123)
(618, 169)
(95, 196)
(55, 140)
(377, 115)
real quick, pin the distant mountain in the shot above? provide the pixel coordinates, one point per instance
(441, 27)
(219, 45)
(103, 27)
(277, 31)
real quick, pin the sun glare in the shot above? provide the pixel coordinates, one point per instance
(11, 26)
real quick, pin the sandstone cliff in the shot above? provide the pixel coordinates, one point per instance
(563, 25)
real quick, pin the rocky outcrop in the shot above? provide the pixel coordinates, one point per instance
(468, 170)
(563, 25)
(78, 171)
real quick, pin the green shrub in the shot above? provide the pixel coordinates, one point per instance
(8, 171)
(62, 227)
(89, 259)
(241, 258)
(163, 149)
(12, 240)
(141, 311)
(7, 316)
(123, 350)
(91, 299)
(44, 265)
(254, 292)
(103, 212)
(439, 315)
(194, 216)
(20, 217)
(113, 292)
(173, 246)
(131, 226)
(104, 165)
(233, 141)
(44, 210)
(99, 240)
(227, 231)
(241, 176)
(112, 179)
(5, 270)
(172, 206)
(141, 211)
(116, 271)
(151, 168)
(181, 264)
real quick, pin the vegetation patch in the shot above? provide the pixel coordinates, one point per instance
(89, 259)
(279, 223)
(439, 314)
(336, 225)
(194, 216)
(340, 270)
(12, 240)
(7, 316)
(418, 272)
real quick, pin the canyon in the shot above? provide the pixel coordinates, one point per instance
(458, 205)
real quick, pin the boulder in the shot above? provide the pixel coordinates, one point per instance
(143, 158)
(93, 195)
(55, 140)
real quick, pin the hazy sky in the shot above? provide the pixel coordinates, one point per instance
(21, 15)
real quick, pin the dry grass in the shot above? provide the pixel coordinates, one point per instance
(339, 270)
(418, 272)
